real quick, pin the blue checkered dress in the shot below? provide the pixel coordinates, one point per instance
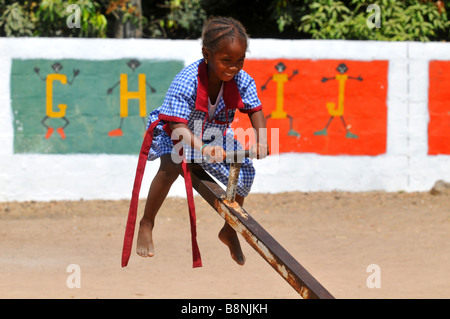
(180, 105)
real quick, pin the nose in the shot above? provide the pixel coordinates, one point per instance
(233, 68)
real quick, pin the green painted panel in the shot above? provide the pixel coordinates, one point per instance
(92, 121)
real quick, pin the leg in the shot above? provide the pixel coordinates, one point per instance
(49, 128)
(67, 122)
(349, 134)
(60, 130)
(117, 131)
(164, 178)
(292, 132)
(324, 131)
(229, 237)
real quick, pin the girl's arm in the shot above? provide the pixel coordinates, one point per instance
(259, 124)
(182, 132)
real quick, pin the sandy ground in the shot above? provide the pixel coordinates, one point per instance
(335, 236)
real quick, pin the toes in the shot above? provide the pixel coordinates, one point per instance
(142, 252)
(239, 260)
(146, 252)
(231, 240)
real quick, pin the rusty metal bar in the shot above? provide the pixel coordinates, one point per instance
(233, 181)
(286, 265)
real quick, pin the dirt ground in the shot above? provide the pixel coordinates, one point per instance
(335, 236)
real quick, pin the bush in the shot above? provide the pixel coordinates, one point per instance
(48, 18)
(407, 20)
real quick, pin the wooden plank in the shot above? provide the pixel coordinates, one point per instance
(283, 262)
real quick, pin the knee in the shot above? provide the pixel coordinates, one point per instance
(168, 173)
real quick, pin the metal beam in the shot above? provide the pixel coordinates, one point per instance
(286, 265)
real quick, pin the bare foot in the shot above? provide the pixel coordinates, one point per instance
(229, 237)
(145, 240)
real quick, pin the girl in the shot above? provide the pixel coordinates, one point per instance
(202, 98)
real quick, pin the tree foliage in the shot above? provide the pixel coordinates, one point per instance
(406, 20)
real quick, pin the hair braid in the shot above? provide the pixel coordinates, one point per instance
(218, 28)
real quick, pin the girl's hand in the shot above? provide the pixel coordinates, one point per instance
(214, 154)
(261, 150)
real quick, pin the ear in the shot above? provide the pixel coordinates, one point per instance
(206, 53)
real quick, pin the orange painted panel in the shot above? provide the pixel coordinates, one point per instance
(439, 108)
(328, 107)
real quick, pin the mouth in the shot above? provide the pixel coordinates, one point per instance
(229, 75)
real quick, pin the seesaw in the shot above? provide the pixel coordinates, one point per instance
(258, 238)
(225, 204)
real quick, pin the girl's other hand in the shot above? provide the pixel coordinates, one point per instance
(261, 150)
(214, 154)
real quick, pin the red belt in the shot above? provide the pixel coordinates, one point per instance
(132, 213)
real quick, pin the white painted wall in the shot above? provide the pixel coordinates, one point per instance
(405, 166)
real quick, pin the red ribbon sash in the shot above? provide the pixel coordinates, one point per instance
(132, 213)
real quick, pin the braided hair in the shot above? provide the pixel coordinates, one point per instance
(217, 29)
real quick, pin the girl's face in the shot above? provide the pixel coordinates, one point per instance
(227, 61)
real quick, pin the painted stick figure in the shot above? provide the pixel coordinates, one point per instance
(126, 95)
(50, 112)
(339, 111)
(279, 112)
